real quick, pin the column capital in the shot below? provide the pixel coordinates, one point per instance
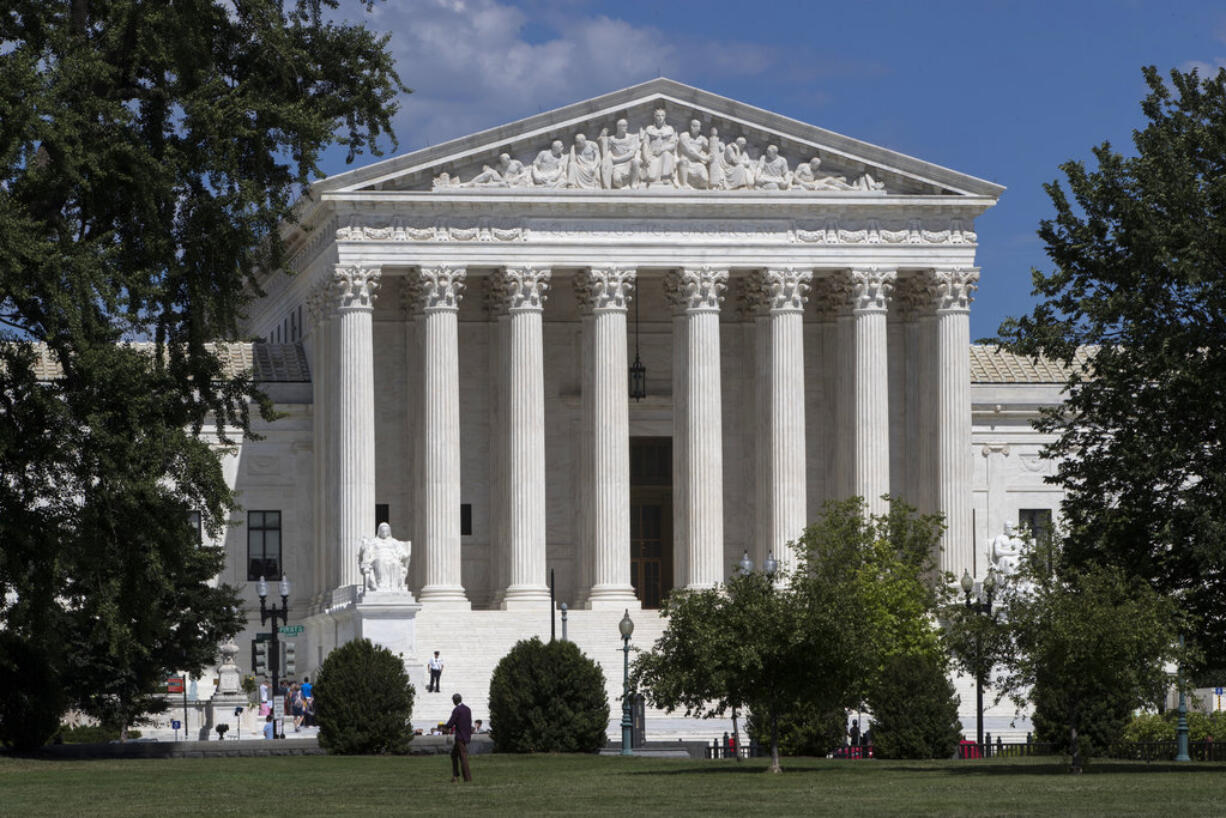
(832, 295)
(697, 289)
(522, 288)
(354, 287)
(951, 287)
(442, 288)
(786, 289)
(319, 301)
(871, 288)
(605, 289)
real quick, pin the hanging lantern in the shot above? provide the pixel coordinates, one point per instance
(638, 372)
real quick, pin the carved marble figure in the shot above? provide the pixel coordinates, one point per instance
(715, 161)
(584, 168)
(807, 177)
(772, 171)
(693, 158)
(659, 151)
(1007, 550)
(549, 167)
(384, 560)
(738, 167)
(621, 163)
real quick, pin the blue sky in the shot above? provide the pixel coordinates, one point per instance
(1001, 90)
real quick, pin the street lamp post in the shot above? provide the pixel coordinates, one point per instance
(1181, 729)
(274, 613)
(626, 626)
(982, 606)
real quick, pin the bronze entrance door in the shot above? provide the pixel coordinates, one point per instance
(651, 518)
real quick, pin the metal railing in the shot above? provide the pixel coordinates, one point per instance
(1165, 751)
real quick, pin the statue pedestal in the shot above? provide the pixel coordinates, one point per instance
(387, 618)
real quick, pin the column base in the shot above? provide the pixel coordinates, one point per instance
(610, 597)
(700, 586)
(445, 596)
(525, 596)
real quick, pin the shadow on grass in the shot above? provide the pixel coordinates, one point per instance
(972, 768)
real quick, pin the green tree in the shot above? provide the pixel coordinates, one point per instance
(1138, 245)
(149, 155)
(915, 710)
(363, 701)
(548, 698)
(1087, 646)
(812, 642)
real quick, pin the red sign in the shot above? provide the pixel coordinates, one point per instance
(174, 684)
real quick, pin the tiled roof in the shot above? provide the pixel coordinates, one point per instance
(270, 363)
(990, 364)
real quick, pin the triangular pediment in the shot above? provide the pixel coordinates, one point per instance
(729, 151)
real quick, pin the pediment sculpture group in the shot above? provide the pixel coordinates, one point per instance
(658, 156)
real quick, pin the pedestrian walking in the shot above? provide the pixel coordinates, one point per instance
(461, 726)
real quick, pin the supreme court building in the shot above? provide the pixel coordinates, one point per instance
(622, 342)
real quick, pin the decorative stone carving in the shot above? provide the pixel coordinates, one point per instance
(786, 288)
(442, 287)
(523, 288)
(658, 156)
(951, 289)
(384, 561)
(605, 288)
(871, 288)
(1006, 551)
(697, 288)
(832, 295)
(355, 287)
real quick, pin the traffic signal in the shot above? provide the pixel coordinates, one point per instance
(260, 649)
(290, 668)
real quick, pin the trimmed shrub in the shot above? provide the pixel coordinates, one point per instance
(548, 698)
(32, 701)
(363, 701)
(92, 734)
(803, 730)
(915, 709)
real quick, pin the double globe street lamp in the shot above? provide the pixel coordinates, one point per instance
(274, 613)
(626, 627)
(982, 605)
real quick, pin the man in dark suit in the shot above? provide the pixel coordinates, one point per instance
(461, 726)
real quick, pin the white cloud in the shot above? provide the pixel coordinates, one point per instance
(1205, 69)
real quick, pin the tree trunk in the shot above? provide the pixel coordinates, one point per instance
(1076, 770)
(736, 737)
(775, 768)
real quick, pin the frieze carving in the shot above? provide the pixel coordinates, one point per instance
(952, 289)
(605, 288)
(442, 288)
(522, 287)
(657, 156)
(871, 288)
(874, 232)
(695, 289)
(482, 230)
(355, 287)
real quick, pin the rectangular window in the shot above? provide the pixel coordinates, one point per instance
(382, 514)
(1037, 521)
(193, 519)
(466, 519)
(264, 545)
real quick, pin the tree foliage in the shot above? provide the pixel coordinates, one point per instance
(363, 701)
(148, 154)
(863, 591)
(915, 709)
(1138, 245)
(548, 698)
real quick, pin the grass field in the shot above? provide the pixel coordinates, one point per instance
(589, 785)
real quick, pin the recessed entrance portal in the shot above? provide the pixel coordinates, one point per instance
(651, 518)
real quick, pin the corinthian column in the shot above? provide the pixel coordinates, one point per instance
(785, 291)
(320, 308)
(442, 288)
(951, 293)
(696, 292)
(604, 292)
(354, 290)
(871, 289)
(523, 290)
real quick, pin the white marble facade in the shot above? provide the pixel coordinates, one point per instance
(800, 301)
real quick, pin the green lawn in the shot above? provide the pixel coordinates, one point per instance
(588, 785)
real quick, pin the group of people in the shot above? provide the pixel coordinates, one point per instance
(658, 156)
(299, 700)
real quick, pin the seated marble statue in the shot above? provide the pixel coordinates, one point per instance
(693, 158)
(549, 167)
(772, 171)
(807, 177)
(715, 161)
(738, 167)
(584, 168)
(659, 151)
(1007, 550)
(621, 165)
(384, 560)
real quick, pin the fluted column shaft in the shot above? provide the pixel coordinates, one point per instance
(442, 289)
(355, 289)
(320, 311)
(699, 291)
(786, 290)
(606, 291)
(524, 291)
(870, 293)
(951, 291)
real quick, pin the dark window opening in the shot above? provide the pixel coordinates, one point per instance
(1037, 521)
(193, 520)
(263, 545)
(466, 519)
(383, 514)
